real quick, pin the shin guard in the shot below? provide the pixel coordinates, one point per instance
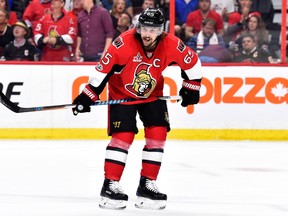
(116, 155)
(153, 151)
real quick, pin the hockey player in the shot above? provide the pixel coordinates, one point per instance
(133, 67)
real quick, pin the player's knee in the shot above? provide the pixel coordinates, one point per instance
(155, 137)
(156, 133)
(122, 140)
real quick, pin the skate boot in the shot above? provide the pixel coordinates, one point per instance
(149, 196)
(112, 195)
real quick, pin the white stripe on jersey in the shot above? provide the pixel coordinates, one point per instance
(97, 78)
(67, 38)
(195, 72)
(37, 37)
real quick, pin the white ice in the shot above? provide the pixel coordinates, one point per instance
(201, 178)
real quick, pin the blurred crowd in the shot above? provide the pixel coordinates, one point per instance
(80, 30)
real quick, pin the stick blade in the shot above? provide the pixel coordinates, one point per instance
(10, 105)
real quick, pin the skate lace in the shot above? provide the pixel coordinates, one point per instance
(151, 185)
(115, 187)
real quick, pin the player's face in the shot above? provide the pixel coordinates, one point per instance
(149, 34)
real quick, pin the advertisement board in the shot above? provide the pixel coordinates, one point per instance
(232, 98)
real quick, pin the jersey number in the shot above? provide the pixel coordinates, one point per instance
(106, 58)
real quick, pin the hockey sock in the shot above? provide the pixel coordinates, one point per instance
(116, 155)
(152, 154)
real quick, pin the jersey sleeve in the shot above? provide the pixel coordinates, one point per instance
(39, 30)
(186, 59)
(116, 55)
(28, 15)
(70, 36)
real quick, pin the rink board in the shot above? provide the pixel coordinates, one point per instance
(237, 102)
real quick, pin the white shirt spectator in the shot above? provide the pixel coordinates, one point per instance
(219, 5)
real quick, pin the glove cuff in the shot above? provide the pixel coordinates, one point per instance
(90, 93)
(191, 85)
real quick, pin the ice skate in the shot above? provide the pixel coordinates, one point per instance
(112, 195)
(149, 196)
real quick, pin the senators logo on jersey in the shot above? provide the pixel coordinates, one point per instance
(52, 32)
(118, 42)
(181, 46)
(143, 83)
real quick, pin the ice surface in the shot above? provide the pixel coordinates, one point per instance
(64, 178)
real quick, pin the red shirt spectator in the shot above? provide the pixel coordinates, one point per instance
(237, 21)
(12, 14)
(35, 10)
(195, 19)
(56, 33)
(12, 18)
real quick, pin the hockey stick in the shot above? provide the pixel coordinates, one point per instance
(17, 109)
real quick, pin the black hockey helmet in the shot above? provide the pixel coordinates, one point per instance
(152, 17)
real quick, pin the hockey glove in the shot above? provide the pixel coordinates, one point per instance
(85, 100)
(190, 92)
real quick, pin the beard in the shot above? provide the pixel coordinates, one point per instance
(148, 43)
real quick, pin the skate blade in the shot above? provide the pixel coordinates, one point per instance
(107, 203)
(144, 203)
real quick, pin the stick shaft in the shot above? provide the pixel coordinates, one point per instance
(17, 109)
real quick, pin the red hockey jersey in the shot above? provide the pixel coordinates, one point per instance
(140, 74)
(34, 11)
(64, 27)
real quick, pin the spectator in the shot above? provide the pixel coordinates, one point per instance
(124, 23)
(20, 49)
(19, 7)
(12, 14)
(184, 7)
(223, 8)
(95, 31)
(69, 5)
(76, 8)
(237, 21)
(208, 38)
(6, 33)
(146, 4)
(55, 34)
(251, 52)
(266, 9)
(108, 4)
(256, 27)
(136, 3)
(35, 10)
(194, 19)
(165, 7)
(117, 9)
